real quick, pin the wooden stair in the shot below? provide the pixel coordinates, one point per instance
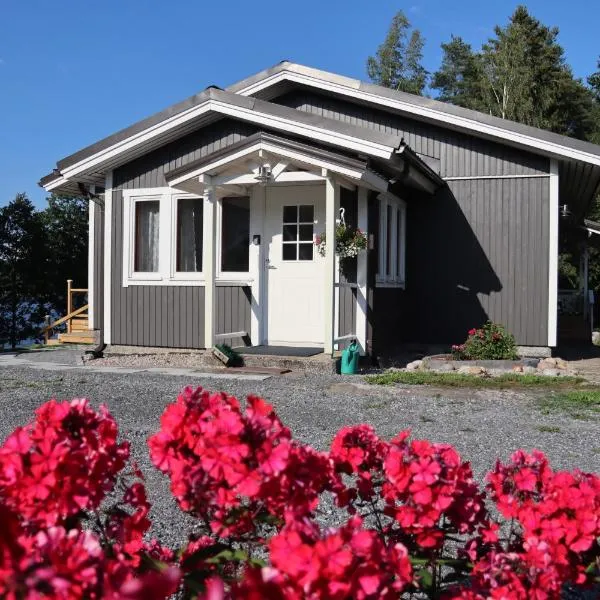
(79, 337)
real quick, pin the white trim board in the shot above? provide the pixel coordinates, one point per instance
(108, 198)
(138, 140)
(553, 256)
(91, 254)
(428, 113)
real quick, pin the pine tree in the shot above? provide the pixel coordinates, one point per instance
(459, 78)
(398, 61)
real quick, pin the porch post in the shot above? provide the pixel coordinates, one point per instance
(586, 283)
(332, 202)
(208, 265)
(257, 261)
(361, 275)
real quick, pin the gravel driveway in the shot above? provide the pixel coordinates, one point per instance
(481, 424)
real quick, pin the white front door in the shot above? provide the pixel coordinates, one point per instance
(294, 269)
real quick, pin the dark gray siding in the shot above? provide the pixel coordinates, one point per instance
(478, 250)
(347, 312)
(233, 313)
(98, 301)
(164, 316)
(460, 155)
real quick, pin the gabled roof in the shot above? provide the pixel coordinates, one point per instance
(201, 109)
(272, 81)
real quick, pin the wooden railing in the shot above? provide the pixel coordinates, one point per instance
(78, 316)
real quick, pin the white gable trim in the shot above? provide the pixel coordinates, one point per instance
(425, 112)
(138, 140)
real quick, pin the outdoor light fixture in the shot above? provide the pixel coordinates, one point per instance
(264, 175)
(564, 211)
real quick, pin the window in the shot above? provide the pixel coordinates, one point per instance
(298, 229)
(189, 234)
(392, 241)
(147, 216)
(235, 235)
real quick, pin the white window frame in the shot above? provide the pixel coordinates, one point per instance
(167, 258)
(225, 277)
(397, 243)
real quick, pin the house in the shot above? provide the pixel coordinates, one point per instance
(203, 218)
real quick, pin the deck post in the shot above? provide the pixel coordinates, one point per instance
(69, 303)
(332, 202)
(361, 274)
(209, 265)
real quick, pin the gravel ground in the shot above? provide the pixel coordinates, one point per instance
(482, 424)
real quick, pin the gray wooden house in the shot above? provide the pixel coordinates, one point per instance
(203, 218)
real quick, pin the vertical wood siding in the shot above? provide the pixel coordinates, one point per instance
(163, 316)
(233, 312)
(478, 250)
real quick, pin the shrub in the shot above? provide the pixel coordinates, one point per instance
(490, 342)
(411, 519)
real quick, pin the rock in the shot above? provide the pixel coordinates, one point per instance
(414, 365)
(443, 366)
(466, 370)
(553, 372)
(517, 369)
(596, 338)
(529, 369)
(561, 364)
(547, 363)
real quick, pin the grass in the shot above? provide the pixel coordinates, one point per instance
(578, 404)
(469, 381)
(549, 429)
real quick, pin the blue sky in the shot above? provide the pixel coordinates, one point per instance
(74, 72)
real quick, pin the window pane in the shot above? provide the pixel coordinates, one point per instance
(306, 213)
(399, 250)
(290, 232)
(189, 234)
(235, 235)
(388, 249)
(290, 214)
(305, 251)
(288, 251)
(306, 233)
(146, 236)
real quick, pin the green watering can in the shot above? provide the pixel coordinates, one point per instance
(350, 356)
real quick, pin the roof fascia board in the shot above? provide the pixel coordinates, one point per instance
(246, 110)
(352, 88)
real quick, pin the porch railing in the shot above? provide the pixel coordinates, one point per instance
(75, 319)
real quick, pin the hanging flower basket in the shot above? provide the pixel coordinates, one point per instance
(349, 242)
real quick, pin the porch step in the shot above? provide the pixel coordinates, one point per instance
(319, 364)
(79, 337)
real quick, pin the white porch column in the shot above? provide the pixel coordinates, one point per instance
(257, 261)
(332, 202)
(361, 275)
(586, 265)
(553, 255)
(209, 264)
(108, 198)
(91, 254)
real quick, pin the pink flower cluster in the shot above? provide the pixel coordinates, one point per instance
(54, 473)
(411, 517)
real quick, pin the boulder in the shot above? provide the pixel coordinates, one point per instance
(553, 372)
(530, 370)
(443, 366)
(414, 365)
(547, 363)
(467, 370)
(517, 369)
(561, 364)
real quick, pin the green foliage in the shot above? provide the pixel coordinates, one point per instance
(508, 380)
(398, 61)
(578, 404)
(490, 342)
(21, 268)
(519, 74)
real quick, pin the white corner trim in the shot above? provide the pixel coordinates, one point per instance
(479, 177)
(332, 202)
(553, 255)
(361, 273)
(91, 262)
(208, 263)
(108, 198)
(349, 88)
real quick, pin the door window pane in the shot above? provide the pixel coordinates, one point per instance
(307, 213)
(146, 236)
(189, 234)
(289, 251)
(290, 214)
(306, 233)
(305, 251)
(235, 235)
(290, 233)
